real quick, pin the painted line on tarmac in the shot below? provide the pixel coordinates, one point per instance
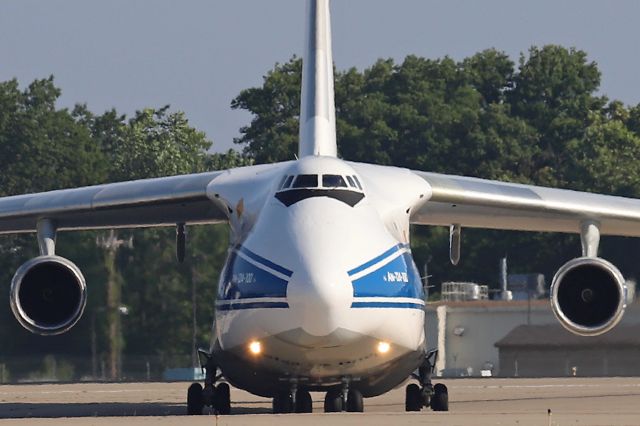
(584, 385)
(84, 391)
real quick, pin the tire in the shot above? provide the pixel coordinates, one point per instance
(223, 399)
(440, 398)
(275, 405)
(333, 402)
(209, 395)
(413, 398)
(282, 403)
(354, 401)
(195, 402)
(303, 402)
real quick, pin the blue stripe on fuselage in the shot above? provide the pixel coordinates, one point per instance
(395, 305)
(252, 305)
(285, 305)
(397, 278)
(244, 280)
(265, 262)
(377, 259)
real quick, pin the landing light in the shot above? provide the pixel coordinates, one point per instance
(255, 347)
(383, 347)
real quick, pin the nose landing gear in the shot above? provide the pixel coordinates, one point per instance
(294, 400)
(303, 402)
(212, 395)
(355, 403)
(283, 402)
(426, 394)
(345, 399)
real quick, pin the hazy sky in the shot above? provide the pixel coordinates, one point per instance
(198, 54)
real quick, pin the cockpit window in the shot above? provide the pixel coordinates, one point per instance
(301, 187)
(287, 182)
(282, 181)
(333, 181)
(306, 181)
(355, 178)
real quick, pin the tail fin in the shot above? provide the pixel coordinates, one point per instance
(317, 109)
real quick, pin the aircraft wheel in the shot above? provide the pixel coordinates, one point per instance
(195, 402)
(440, 398)
(223, 398)
(354, 401)
(303, 402)
(282, 403)
(413, 398)
(209, 395)
(333, 402)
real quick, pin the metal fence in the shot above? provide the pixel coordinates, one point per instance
(464, 291)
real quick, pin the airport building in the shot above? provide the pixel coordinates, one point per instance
(523, 338)
(550, 350)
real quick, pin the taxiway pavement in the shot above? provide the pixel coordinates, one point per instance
(571, 401)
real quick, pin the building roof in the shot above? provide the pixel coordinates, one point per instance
(548, 336)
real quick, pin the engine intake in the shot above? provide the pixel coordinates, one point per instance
(48, 295)
(588, 296)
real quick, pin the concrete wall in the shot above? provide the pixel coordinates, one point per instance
(465, 332)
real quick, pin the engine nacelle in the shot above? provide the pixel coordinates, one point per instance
(588, 296)
(48, 295)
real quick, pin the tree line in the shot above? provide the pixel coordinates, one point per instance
(43, 147)
(540, 121)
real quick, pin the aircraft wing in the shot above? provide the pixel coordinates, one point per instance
(147, 202)
(480, 203)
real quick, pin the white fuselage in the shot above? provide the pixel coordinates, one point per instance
(320, 281)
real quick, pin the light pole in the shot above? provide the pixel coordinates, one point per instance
(111, 244)
(94, 345)
(122, 310)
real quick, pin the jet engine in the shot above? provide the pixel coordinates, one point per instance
(588, 296)
(48, 295)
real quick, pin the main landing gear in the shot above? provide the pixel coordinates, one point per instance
(426, 394)
(212, 395)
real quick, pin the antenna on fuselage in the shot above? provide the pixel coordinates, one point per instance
(317, 107)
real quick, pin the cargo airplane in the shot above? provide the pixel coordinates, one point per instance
(319, 292)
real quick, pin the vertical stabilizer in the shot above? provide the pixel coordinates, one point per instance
(317, 109)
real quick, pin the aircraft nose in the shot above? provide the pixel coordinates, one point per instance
(320, 302)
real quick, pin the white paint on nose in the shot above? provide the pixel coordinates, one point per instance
(320, 301)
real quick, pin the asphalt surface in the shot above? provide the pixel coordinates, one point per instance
(569, 401)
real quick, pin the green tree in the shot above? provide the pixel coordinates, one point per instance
(42, 147)
(273, 133)
(491, 73)
(554, 91)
